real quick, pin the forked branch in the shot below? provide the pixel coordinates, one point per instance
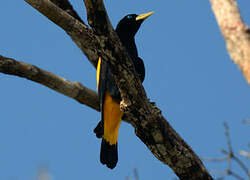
(150, 126)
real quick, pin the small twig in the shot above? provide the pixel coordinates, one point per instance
(235, 175)
(43, 173)
(246, 121)
(244, 153)
(242, 165)
(227, 172)
(229, 143)
(219, 178)
(215, 159)
(221, 173)
(230, 156)
(136, 174)
(128, 178)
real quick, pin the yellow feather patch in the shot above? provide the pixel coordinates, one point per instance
(112, 116)
(98, 69)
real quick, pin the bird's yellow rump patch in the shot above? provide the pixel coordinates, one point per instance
(112, 116)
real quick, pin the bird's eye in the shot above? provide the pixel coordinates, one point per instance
(129, 17)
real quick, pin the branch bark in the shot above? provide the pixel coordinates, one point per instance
(74, 90)
(67, 7)
(84, 37)
(235, 33)
(132, 91)
(150, 126)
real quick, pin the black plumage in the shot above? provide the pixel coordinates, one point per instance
(126, 30)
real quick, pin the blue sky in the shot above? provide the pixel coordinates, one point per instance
(188, 74)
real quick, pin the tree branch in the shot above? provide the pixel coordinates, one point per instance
(244, 154)
(229, 158)
(74, 90)
(150, 126)
(84, 37)
(235, 33)
(132, 91)
(66, 6)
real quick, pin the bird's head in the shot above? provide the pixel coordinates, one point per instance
(130, 24)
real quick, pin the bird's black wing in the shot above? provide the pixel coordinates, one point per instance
(111, 86)
(139, 68)
(101, 83)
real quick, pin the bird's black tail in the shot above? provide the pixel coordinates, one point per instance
(109, 154)
(99, 130)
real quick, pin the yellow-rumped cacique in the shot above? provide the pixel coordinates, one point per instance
(108, 92)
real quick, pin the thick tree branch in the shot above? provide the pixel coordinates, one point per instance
(66, 6)
(74, 90)
(150, 125)
(235, 33)
(132, 91)
(97, 17)
(84, 37)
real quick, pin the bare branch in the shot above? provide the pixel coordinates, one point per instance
(230, 157)
(74, 90)
(228, 172)
(97, 17)
(246, 121)
(221, 173)
(43, 173)
(231, 153)
(244, 153)
(66, 6)
(229, 143)
(235, 175)
(80, 33)
(242, 165)
(227, 134)
(132, 92)
(136, 174)
(215, 159)
(150, 126)
(235, 32)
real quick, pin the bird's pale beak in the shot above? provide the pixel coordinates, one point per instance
(144, 16)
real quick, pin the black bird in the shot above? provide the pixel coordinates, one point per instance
(109, 94)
